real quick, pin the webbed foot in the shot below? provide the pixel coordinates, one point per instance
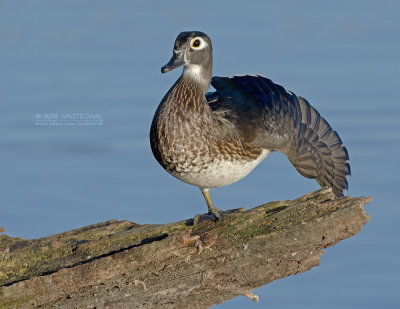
(215, 215)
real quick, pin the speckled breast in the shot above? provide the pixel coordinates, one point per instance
(194, 153)
(191, 144)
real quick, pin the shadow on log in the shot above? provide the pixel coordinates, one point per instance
(120, 264)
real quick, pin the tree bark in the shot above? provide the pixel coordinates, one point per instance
(120, 264)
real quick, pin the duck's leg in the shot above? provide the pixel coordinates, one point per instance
(212, 210)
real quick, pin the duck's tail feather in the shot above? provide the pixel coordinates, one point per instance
(318, 151)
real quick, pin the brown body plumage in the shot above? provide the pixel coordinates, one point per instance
(216, 139)
(190, 141)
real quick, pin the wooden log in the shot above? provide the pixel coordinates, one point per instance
(120, 264)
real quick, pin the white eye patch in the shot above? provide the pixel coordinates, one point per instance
(197, 43)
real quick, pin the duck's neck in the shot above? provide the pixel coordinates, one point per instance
(186, 98)
(186, 94)
(199, 75)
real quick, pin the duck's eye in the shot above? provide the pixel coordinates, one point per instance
(196, 43)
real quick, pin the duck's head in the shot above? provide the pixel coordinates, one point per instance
(193, 51)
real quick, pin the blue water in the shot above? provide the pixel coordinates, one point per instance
(104, 58)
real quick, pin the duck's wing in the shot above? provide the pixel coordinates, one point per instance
(265, 115)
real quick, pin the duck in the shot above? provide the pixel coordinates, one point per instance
(212, 139)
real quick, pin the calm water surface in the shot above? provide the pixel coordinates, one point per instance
(103, 58)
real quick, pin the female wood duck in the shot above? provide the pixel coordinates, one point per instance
(211, 140)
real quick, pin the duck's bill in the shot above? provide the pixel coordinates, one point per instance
(175, 62)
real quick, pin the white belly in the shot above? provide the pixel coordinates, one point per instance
(221, 172)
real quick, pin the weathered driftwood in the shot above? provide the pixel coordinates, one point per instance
(120, 264)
